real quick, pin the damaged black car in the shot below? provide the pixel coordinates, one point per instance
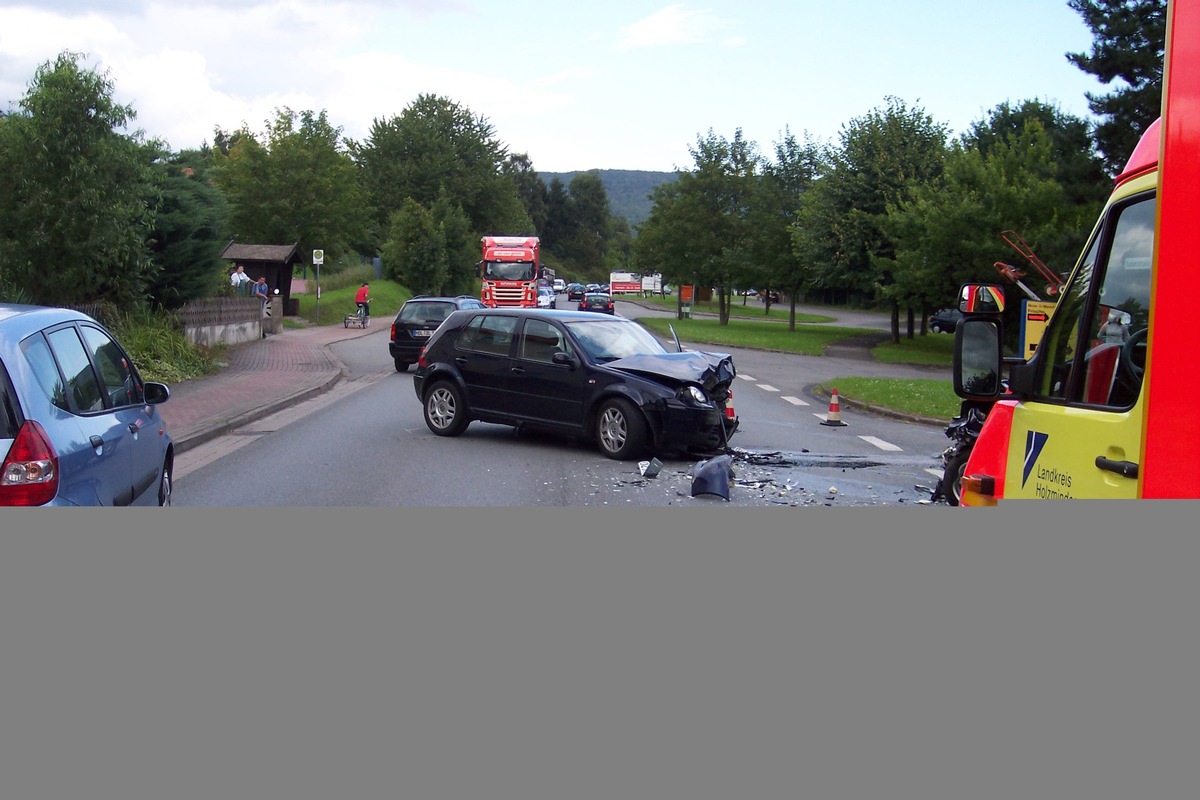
(606, 379)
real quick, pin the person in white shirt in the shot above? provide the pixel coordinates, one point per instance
(238, 281)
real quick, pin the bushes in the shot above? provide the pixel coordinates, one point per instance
(160, 350)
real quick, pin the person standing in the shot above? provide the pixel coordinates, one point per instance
(239, 280)
(260, 291)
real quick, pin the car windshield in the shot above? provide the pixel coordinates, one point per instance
(425, 313)
(509, 270)
(607, 340)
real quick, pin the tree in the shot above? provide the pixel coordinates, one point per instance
(436, 145)
(297, 185)
(191, 229)
(883, 156)
(80, 195)
(947, 232)
(781, 193)
(415, 251)
(699, 229)
(1129, 44)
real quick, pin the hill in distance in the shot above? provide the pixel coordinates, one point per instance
(628, 190)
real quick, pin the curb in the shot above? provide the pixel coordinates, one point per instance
(880, 410)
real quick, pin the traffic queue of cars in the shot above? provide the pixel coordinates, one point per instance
(78, 424)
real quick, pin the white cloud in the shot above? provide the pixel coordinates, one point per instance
(675, 24)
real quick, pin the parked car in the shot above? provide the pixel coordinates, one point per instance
(773, 296)
(78, 425)
(945, 320)
(597, 301)
(417, 320)
(575, 292)
(547, 298)
(604, 378)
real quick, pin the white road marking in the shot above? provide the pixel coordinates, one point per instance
(766, 387)
(880, 443)
(746, 378)
(796, 401)
(937, 473)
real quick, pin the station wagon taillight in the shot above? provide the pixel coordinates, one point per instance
(29, 474)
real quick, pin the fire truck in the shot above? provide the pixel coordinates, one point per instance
(1106, 407)
(510, 271)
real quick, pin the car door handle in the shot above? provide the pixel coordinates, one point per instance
(519, 370)
(97, 442)
(460, 360)
(133, 428)
(1126, 469)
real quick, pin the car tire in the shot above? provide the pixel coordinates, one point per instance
(952, 478)
(401, 366)
(620, 429)
(935, 328)
(164, 483)
(445, 409)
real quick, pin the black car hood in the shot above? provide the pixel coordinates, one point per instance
(710, 370)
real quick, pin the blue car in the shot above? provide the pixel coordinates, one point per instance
(78, 425)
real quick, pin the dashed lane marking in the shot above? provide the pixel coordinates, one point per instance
(937, 473)
(881, 444)
(796, 401)
(746, 378)
(766, 387)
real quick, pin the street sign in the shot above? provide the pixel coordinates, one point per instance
(318, 256)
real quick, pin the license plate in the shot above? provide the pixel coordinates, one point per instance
(423, 333)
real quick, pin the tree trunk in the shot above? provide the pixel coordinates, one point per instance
(895, 322)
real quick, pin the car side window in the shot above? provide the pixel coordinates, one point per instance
(83, 388)
(488, 334)
(120, 383)
(540, 341)
(41, 361)
(1094, 347)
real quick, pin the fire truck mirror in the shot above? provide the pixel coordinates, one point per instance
(977, 358)
(981, 298)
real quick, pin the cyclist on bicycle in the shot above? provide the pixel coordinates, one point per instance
(363, 299)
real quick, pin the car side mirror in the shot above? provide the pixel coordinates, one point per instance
(154, 393)
(565, 359)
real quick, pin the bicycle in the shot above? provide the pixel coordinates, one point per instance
(361, 317)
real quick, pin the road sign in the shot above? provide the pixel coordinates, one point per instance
(318, 256)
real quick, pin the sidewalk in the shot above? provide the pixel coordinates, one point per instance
(262, 377)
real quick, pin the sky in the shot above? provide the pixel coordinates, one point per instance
(621, 84)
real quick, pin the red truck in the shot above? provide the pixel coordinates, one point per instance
(510, 270)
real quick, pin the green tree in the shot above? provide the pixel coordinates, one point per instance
(1129, 42)
(415, 251)
(437, 145)
(297, 185)
(191, 229)
(884, 155)
(947, 232)
(778, 199)
(80, 195)
(700, 229)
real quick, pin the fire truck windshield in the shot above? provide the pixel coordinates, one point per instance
(508, 270)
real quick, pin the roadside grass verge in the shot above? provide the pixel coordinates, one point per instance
(806, 340)
(386, 298)
(925, 397)
(752, 309)
(932, 348)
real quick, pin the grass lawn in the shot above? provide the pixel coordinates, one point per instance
(927, 397)
(386, 299)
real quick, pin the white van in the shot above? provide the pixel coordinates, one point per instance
(560, 285)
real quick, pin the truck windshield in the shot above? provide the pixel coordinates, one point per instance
(508, 270)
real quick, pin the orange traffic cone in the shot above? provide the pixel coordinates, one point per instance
(729, 405)
(834, 417)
